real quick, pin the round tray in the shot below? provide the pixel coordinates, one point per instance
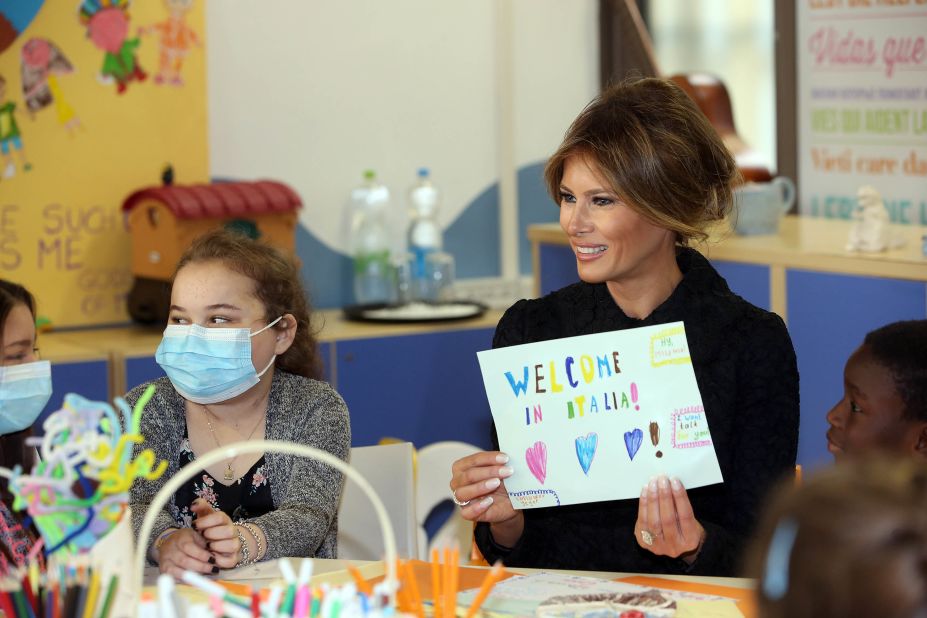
(419, 311)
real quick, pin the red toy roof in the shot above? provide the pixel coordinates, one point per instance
(221, 199)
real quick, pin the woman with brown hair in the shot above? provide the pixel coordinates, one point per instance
(241, 364)
(639, 176)
(25, 387)
(850, 541)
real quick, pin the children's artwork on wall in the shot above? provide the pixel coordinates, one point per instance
(11, 140)
(175, 38)
(573, 415)
(107, 23)
(15, 16)
(42, 64)
(71, 151)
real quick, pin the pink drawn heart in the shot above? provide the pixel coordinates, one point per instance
(536, 456)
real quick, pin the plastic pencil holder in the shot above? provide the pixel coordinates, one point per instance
(263, 446)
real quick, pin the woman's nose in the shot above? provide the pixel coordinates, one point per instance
(579, 220)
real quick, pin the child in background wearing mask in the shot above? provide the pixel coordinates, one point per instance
(241, 363)
(884, 404)
(25, 387)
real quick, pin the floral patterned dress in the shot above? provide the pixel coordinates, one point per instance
(16, 541)
(246, 498)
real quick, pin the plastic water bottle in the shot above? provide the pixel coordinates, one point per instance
(374, 281)
(424, 236)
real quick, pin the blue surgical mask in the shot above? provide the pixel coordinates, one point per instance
(209, 365)
(24, 391)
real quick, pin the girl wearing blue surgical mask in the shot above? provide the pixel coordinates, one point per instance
(241, 364)
(25, 387)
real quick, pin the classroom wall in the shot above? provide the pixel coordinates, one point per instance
(313, 93)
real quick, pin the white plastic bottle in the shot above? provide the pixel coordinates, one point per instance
(371, 238)
(425, 235)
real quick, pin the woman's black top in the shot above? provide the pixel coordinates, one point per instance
(746, 371)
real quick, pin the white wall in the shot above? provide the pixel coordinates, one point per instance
(314, 92)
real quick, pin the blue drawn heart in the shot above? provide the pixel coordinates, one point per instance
(632, 440)
(585, 449)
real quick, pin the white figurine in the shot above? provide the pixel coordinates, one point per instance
(870, 231)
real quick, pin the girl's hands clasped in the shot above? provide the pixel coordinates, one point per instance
(219, 533)
(666, 524)
(184, 550)
(478, 488)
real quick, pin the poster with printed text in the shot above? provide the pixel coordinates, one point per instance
(97, 97)
(862, 106)
(594, 417)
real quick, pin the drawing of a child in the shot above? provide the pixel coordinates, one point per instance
(10, 138)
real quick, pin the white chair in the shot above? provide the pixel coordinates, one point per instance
(432, 487)
(388, 468)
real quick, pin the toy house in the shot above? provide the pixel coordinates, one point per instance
(164, 220)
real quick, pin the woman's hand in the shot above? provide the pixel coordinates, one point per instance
(665, 523)
(477, 483)
(185, 550)
(219, 532)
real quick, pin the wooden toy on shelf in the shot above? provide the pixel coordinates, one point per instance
(164, 220)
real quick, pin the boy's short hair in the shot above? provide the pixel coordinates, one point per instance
(901, 347)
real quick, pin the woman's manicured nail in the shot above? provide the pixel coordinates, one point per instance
(486, 502)
(677, 484)
(215, 570)
(212, 560)
(502, 458)
(652, 486)
(492, 483)
(644, 492)
(506, 471)
(664, 482)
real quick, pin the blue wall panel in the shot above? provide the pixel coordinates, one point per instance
(421, 388)
(751, 281)
(828, 316)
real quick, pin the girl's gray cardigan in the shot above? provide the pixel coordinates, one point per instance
(305, 492)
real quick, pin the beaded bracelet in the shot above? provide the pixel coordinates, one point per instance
(259, 552)
(245, 552)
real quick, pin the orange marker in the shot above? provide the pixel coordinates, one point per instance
(449, 604)
(362, 584)
(494, 575)
(417, 608)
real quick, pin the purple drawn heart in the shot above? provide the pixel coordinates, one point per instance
(536, 456)
(632, 440)
(585, 450)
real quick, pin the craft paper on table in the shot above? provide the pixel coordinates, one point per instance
(594, 417)
(559, 595)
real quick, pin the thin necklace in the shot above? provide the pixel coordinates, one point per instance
(229, 470)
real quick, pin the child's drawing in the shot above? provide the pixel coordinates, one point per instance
(42, 65)
(585, 450)
(107, 23)
(536, 456)
(175, 39)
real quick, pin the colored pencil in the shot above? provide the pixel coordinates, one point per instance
(110, 595)
(494, 575)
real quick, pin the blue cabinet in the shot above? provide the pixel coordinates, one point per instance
(750, 281)
(422, 388)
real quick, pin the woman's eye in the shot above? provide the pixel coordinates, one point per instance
(855, 409)
(218, 319)
(603, 201)
(567, 197)
(176, 319)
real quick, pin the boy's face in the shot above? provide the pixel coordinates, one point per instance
(870, 416)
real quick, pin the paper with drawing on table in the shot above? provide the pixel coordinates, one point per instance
(559, 595)
(594, 417)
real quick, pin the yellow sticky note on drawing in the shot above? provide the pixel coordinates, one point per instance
(706, 609)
